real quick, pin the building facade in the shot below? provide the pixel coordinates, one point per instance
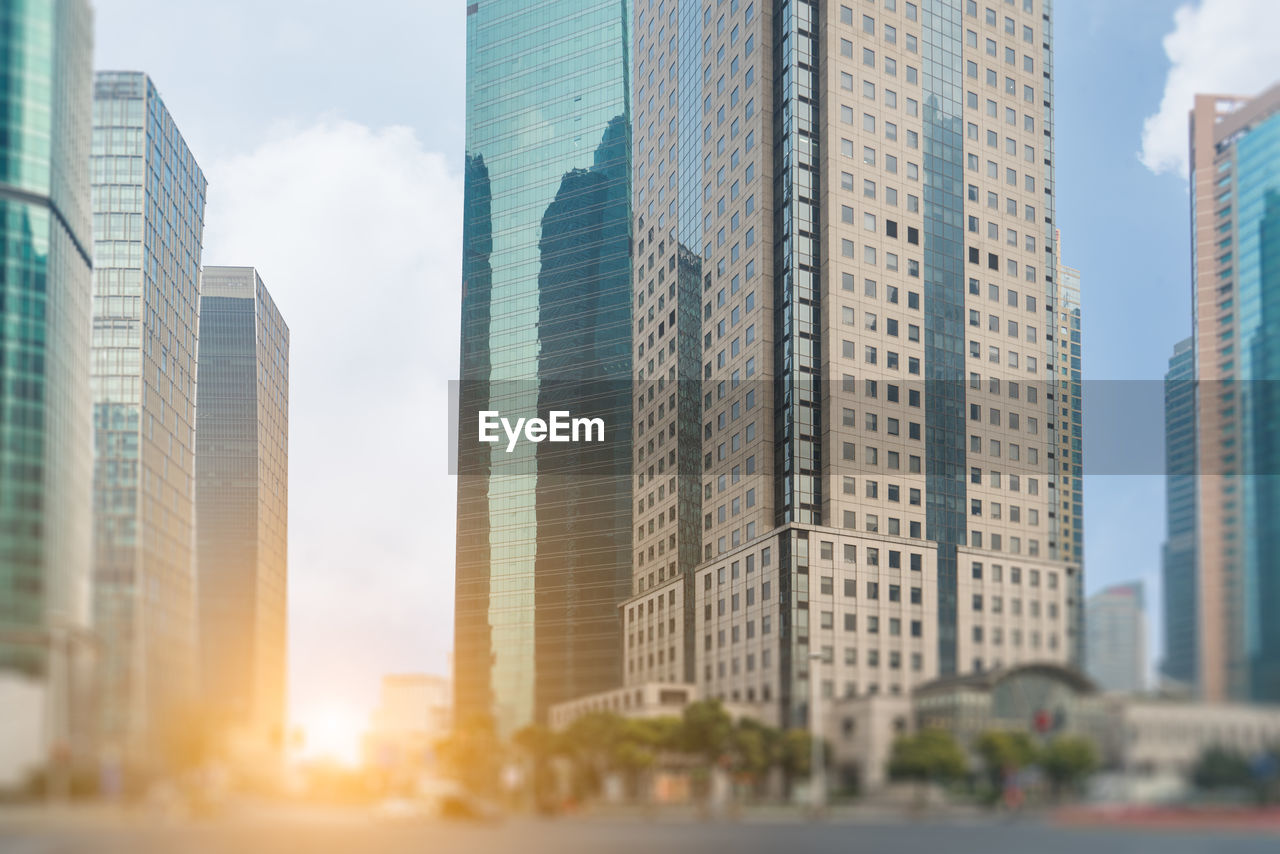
(544, 543)
(1178, 556)
(1146, 747)
(1235, 218)
(148, 214)
(414, 713)
(241, 504)
(844, 223)
(45, 440)
(1116, 638)
(1070, 395)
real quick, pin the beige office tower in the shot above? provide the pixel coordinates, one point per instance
(1235, 211)
(845, 290)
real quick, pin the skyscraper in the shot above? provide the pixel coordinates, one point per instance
(1235, 220)
(148, 209)
(45, 439)
(241, 504)
(1178, 556)
(543, 546)
(844, 218)
(1116, 646)
(1070, 415)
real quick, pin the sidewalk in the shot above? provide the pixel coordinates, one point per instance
(1208, 818)
(786, 814)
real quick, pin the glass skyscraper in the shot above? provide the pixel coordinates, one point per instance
(543, 545)
(148, 214)
(45, 444)
(1178, 556)
(1116, 640)
(242, 500)
(1235, 179)
(1070, 395)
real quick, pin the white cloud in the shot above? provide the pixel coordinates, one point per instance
(356, 233)
(1219, 47)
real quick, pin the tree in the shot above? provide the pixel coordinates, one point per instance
(472, 754)
(1068, 760)
(641, 741)
(755, 748)
(1005, 753)
(592, 742)
(706, 729)
(929, 755)
(796, 749)
(705, 733)
(540, 746)
(1221, 768)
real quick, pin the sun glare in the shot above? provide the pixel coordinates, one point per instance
(331, 732)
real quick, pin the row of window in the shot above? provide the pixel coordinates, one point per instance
(1015, 606)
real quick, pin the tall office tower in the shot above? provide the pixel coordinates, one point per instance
(1178, 556)
(1117, 638)
(863, 196)
(659, 618)
(1069, 393)
(148, 210)
(1235, 221)
(544, 543)
(242, 503)
(45, 445)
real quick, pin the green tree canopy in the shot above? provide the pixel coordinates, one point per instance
(706, 729)
(472, 753)
(1068, 760)
(931, 754)
(1220, 768)
(1003, 751)
(755, 748)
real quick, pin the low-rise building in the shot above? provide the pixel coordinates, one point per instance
(414, 711)
(1147, 746)
(648, 700)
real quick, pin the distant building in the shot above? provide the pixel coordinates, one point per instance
(414, 712)
(148, 207)
(242, 505)
(1235, 233)
(414, 703)
(46, 290)
(1070, 393)
(650, 700)
(1116, 638)
(1178, 556)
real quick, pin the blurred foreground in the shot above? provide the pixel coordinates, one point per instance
(388, 830)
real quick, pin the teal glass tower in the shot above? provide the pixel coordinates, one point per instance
(148, 209)
(1178, 556)
(544, 532)
(45, 292)
(1257, 259)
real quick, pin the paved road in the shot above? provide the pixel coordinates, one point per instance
(323, 833)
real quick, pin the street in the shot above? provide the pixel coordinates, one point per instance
(320, 832)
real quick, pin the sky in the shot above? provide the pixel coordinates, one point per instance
(332, 138)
